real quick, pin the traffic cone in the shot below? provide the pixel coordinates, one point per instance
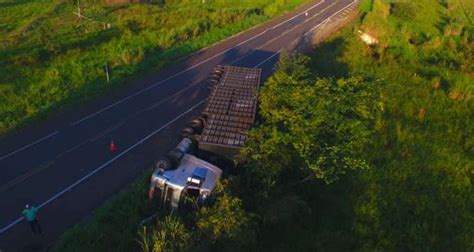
(112, 147)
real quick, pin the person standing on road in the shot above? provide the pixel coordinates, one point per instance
(30, 215)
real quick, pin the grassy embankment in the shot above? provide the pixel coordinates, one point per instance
(390, 127)
(50, 61)
(417, 193)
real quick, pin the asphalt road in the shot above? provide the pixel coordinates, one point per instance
(64, 166)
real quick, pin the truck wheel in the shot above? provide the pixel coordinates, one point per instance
(187, 132)
(164, 163)
(213, 82)
(197, 125)
(175, 157)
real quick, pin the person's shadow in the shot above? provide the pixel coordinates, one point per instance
(35, 244)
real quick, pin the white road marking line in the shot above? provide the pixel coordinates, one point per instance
(29, 145)
(281, 35)
(193, 66)
(244, 56)
(314, 28)
(4, 229)
(47, 164)
(23, 177)
(328, 18)
(267, 59)
(79, 145)
(107, 131)
(228, 38)
(59, 194)
(153, 106)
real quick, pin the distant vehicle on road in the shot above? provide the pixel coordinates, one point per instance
(219, 133)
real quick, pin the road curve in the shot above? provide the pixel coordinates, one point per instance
(63, 165)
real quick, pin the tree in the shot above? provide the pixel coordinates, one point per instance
(317, 125)
(225, 223)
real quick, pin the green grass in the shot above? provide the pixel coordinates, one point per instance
(418, 193)
(426, 39)
(50, 61)
(366, 5)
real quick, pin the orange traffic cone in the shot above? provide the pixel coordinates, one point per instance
(112, 147)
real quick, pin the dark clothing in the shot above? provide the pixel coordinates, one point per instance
(35, 227)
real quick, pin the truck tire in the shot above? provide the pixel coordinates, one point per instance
(163, 163)
(187, 132)
(175, 157)
(213, 82)
(197, 125)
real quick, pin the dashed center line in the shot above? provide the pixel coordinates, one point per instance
(29, 145)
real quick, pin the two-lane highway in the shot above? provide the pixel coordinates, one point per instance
(59, 163)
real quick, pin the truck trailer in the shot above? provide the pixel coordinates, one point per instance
(220, 131)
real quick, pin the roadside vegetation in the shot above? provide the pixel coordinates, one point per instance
(358, 147)
(52, 60)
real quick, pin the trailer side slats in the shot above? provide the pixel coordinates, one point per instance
(231, 108)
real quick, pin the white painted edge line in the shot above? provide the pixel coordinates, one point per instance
(173, 96)
(277, 37)
(59, 194)
(237, 34)
(273, 39)
(194, 66)
(314, 28)
(29, 145)
(106, 131)
(244, 56)
(328, 18)
(267, 59)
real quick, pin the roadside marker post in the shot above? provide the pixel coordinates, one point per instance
(107, 72)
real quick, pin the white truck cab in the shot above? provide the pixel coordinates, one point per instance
(195, 177)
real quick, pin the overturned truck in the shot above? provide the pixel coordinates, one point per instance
(220, 131)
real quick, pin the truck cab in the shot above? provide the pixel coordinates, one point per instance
(193, 178)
